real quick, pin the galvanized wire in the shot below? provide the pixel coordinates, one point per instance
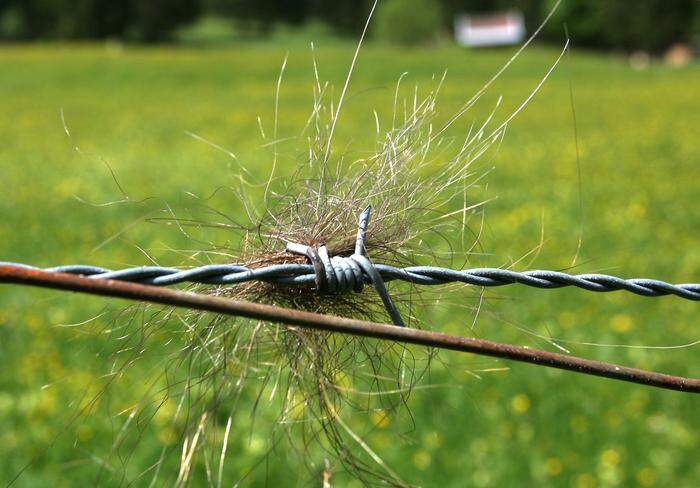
(298, 274)
(339, 274)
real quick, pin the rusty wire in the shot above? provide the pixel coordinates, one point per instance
(342, 325)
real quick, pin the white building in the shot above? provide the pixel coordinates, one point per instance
(497, 29)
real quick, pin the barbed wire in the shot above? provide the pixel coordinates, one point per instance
(296, 274)
(339, 274)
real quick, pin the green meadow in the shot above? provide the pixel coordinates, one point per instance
(94, 143)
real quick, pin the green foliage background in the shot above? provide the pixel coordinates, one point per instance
(651, 25)
(639, 162)
(408, 23)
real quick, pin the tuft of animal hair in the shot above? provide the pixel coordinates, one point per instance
(413, 179)
(313, 393)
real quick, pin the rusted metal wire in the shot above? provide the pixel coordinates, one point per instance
(225, 306)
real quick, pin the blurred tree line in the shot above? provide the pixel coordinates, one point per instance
(607, 24)
(148, 20)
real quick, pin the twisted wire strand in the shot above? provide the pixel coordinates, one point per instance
(296, 274)
(341, 274)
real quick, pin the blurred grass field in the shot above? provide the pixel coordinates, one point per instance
(640, 170)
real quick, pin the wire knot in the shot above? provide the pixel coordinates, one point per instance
(342, 274)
